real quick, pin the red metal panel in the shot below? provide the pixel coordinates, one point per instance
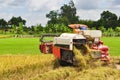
(56, 52)
(43, 48)
(46, 48)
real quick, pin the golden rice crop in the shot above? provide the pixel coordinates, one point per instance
(21, 67)
(12, 61)
(99, 73)
(57, 74)
(115, 59)
(46, 67)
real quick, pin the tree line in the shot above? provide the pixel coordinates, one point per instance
(59, 20)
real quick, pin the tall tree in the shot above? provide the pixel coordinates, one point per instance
(3, 25)
(16, 20)
(119, 22)
(108, 19)
(68, 13)
(53, 16)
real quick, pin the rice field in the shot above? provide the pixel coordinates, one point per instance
(44, 67)
(20, 67)
(20, 59)
(31, 45)
(19, 46)
(114, 45)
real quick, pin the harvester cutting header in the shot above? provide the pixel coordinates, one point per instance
(84, 40)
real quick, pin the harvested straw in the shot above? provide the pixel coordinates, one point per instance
(83, 58)
(78, 58)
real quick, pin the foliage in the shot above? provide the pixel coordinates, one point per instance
(108, 19)
(13, 29)
(16, 20)
(56, 28)
(102, 28)
(66, 15)
(20, 28)
(3, 25)
(118, 29)
(53, 16)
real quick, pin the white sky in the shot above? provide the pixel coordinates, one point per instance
(34, 11)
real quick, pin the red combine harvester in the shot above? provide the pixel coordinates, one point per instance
(62, 46)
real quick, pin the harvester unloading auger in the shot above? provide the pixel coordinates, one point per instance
(70, 48)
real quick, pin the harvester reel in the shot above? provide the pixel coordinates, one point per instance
(47, 35)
